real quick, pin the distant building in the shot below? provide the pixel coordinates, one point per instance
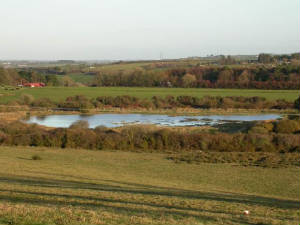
(34, 85)
(22, 65)
(251, 61)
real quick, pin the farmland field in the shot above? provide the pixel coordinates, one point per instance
(60, 93)
(108, 187)
(80, 78)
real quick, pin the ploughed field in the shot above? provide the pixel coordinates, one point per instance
(65, 186)
(61, 93)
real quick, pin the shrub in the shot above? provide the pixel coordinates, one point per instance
(287, 126)
(268, 126)
(80, 124)
(3, 137)
(100, 129)
(26, 99)
(143, 138)
(287, 143)
(36, 157)
(43, 102)
(263, 143)
(76, 102)
(258, 130)
(297, 103)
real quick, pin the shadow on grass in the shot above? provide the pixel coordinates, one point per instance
(24, 158)
(72, 198)
(125, 206)
(153, 190)
(125, 209)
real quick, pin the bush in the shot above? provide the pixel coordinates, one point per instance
(263, 143)
(26, 99)
(258, 130)
(43, 102)
(145, 138)
(36, 157)
(80, 102)
(80, 124)
(100, 129)
(76, 102)
(297, 104)
(268, 126)
(287, 126)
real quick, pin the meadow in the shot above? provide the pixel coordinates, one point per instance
(61, 93)
(78, 78)
(109, 187)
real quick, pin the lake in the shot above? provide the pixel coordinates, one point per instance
(118, 120)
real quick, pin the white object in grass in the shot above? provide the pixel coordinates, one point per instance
(246, 212)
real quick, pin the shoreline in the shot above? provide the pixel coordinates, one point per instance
(28, 112)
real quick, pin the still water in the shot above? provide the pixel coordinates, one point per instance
(117, 120)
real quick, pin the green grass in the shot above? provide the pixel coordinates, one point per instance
(109, 187)
(82, 78)
(60, 93)
(79, 78)
(122, 66)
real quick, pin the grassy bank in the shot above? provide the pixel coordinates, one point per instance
(106, 187)
(61, 93)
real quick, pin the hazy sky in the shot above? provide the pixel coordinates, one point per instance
(141, 29)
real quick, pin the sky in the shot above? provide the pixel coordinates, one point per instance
(146, 29)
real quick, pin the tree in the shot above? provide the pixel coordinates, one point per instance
(244, 77)
(227, 60)
(4, 78)
(226, 75)
(189, 80)
(32, 76)
(51, 80)
(68, 82)
(80, 124)
(265, 58)
(297, 104)
(295, 56)
(287, 126)
(9, 76)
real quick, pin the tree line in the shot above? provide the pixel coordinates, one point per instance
(14, 77)
(285, 76)
(80, 102)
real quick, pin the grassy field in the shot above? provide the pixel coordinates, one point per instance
(109, 187)
(60, 93)
(152, 65)
(79, 78)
